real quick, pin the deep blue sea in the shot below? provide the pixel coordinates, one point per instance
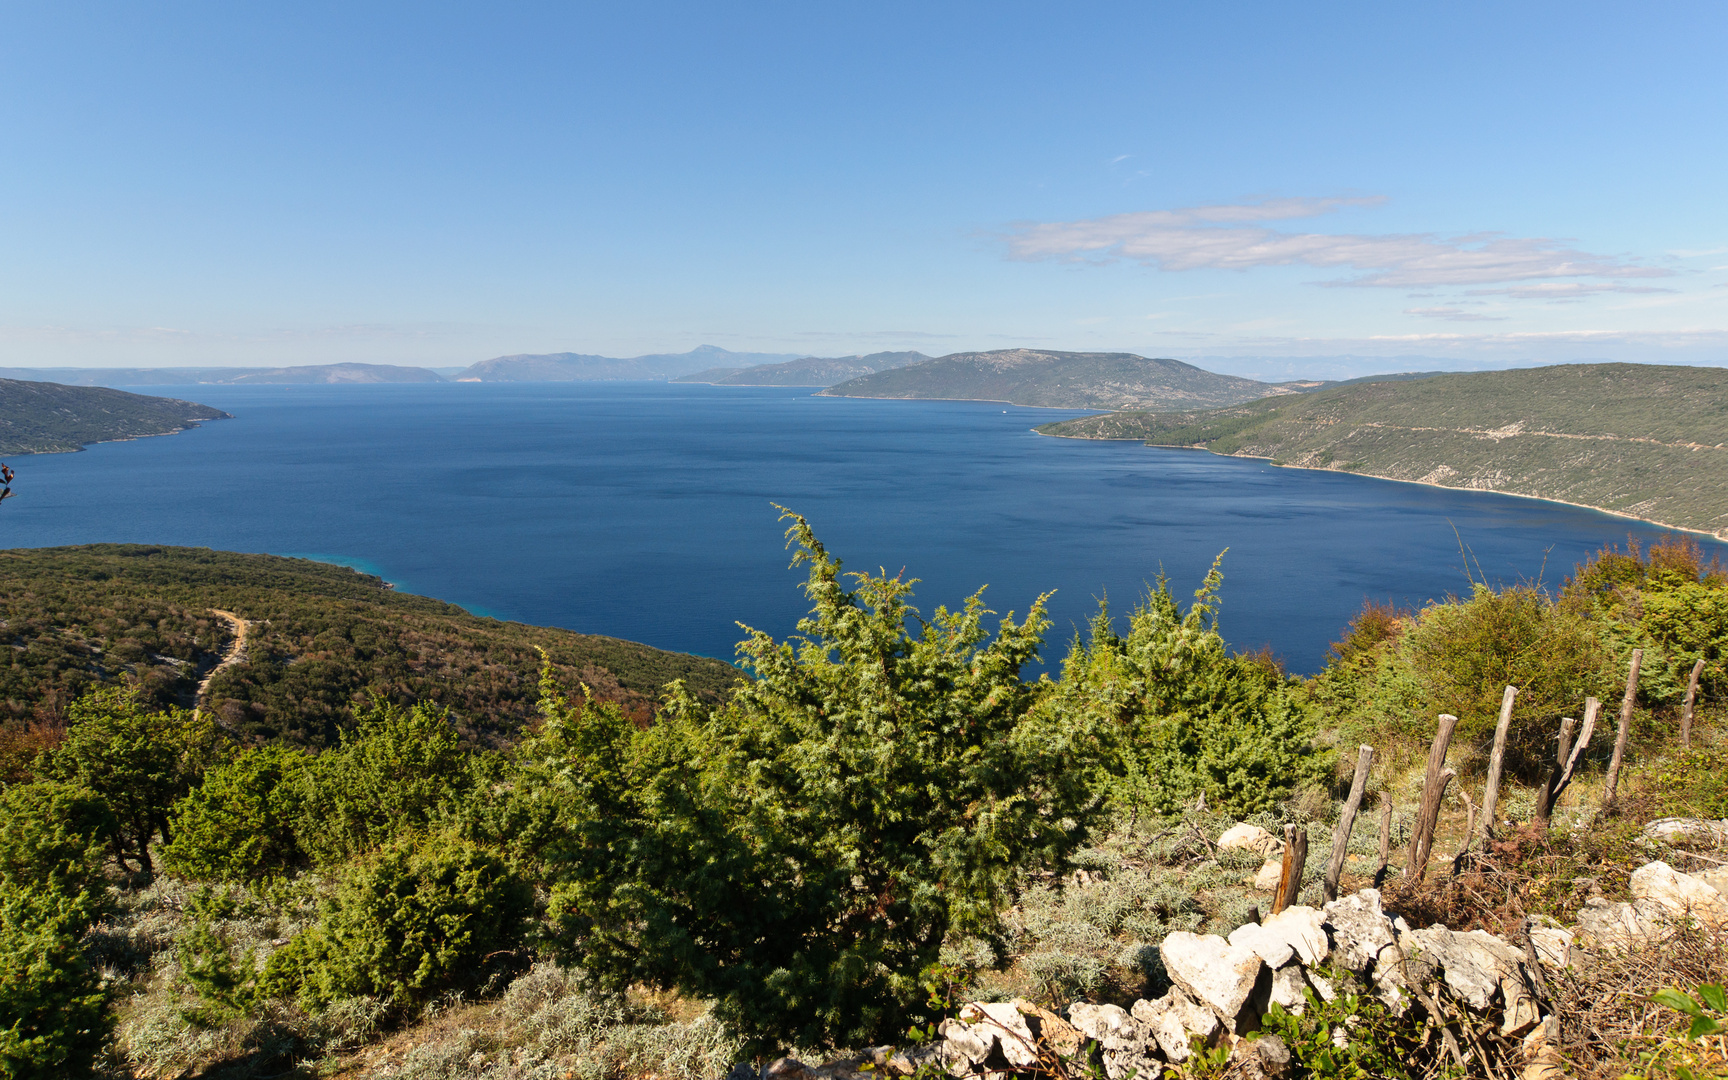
(642, 510)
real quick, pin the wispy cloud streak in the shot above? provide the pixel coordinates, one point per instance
(1232, 237)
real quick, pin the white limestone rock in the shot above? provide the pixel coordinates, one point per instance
(1003, 1020)
(1248, 837)
(1216, 973)
(1178, 1024)
(1689, 832)
(1678, 897)
(1359, 929)
(1271, 873)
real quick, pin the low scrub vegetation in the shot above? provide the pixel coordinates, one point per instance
(884, 818)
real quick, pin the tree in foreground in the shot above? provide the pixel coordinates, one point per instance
(138, 762)
(1188, 718)
(800, 854)
(53, 1010)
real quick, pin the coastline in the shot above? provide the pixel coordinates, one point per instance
(1720, 537)
(81, 447)
(988, 400)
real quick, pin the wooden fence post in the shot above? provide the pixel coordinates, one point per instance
(1296, 860)
(1686, 709)
(1284, 871)
(1496, 762)
(1385, 840)
(1566, 761)
(1433, 787)
(1549, 793)
(1613, 780)
(1432, 819)
(1347, 822)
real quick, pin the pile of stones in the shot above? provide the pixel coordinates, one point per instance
(1222, 988)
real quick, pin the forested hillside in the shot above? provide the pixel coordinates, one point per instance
(1059, 380)
(1641, 440)
(324, 640)
(48, 418)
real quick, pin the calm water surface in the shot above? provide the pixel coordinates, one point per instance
(642, 510)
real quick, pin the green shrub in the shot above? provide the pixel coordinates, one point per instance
(1187, 717)
(139, 762)
(399, 769)
(1466, 653)
(1388, 683)
(53, 1010)
(1351, 1037)
(54, 835)
(800, 854)
(425, 915)
(239, 825)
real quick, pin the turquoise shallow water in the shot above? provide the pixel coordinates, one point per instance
(642, 510)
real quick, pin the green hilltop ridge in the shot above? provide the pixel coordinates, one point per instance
(324, 641)
(48, 418)
(1645, 441)
(1071, 380)
(808, 371)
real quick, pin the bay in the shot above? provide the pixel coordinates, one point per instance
(644, 510)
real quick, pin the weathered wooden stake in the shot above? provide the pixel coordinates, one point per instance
(1686, 708)
(1550, 791)
(1566, 761)
(1626, 702)
(1427, 822)
(1296, 843)
(1347, 822)
(1422, 838)
(1469, 820)
(1385, 840)
(1496, 761)
(1284, 871)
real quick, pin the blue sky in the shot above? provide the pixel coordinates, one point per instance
(1262, 188)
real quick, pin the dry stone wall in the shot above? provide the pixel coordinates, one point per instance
(1222, 988)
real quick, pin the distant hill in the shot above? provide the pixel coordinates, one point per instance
(806, 371)
(48, 418)
(310, 373)
(1060, 379)
(324, 639)
(582, 367)
(1642, 440)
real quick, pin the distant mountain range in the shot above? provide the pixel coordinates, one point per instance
(1642, 440)
(805, 371)
(582, 367)
(1020, 376)
(1071, 380)
(195, 376)
(48, 418)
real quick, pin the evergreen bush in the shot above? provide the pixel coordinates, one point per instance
(399, 769)
(425, 915)
(139, 762)
(239, 824)
(54, 835)
(53, 1010)
(800, 854)
(1187, 717)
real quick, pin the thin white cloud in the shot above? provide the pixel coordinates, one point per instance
(1453, 314)
(1230, 237)
(1565, 290)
